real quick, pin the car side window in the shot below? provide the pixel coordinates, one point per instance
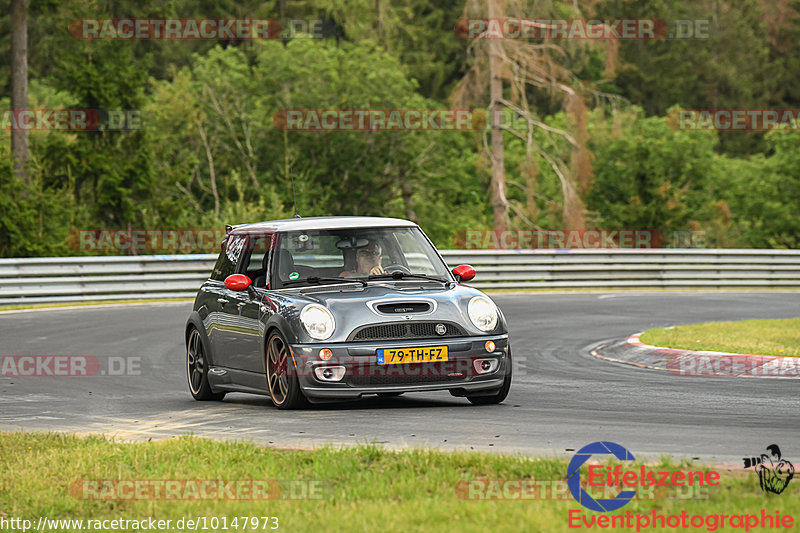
(253, 262)
(226, 263)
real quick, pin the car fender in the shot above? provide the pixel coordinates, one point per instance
(279, 322)
(503, 322)
(197, 322)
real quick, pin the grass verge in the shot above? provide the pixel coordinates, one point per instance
(366, 488)
(762, 337)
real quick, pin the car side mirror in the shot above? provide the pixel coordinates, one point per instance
(237, 282)
(464, 272)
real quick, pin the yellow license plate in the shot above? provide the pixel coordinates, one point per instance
(428, 354)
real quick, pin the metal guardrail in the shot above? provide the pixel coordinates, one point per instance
(74, 279)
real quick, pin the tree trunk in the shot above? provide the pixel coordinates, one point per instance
(19, 85)
(212, 173)
(499, 202)
(408, 200)
(380, 23)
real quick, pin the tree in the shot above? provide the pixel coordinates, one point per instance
(19, 84)
(528, 67)
(241, 156)
(649, 176)
(499, 202)
(417, 32)
(725, 64)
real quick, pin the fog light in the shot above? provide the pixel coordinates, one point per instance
(325, 354)
(489, 346)
(329, 373)
(485, 366)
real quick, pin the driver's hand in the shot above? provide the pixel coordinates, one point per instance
(377, 270)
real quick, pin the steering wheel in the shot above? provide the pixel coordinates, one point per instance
(396, 268)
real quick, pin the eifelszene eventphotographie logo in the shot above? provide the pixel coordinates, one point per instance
(608, 478)
(574, 477)
(774, 472)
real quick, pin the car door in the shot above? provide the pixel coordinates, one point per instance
(225, 313)
(244, 339)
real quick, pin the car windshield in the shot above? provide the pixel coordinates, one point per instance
(324, 256)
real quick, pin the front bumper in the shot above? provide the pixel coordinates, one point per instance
(461, 374)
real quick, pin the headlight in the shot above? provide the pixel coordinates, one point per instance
(318, 321)
(483, 313)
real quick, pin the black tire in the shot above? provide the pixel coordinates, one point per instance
(501, 394)
(197, 369)
(282, 382)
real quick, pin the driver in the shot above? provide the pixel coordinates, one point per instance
(368, 260)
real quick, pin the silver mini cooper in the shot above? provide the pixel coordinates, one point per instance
(334, 308)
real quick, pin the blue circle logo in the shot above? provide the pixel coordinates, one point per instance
(574, 477)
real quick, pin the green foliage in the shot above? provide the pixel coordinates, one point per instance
(210, 153)
(234, 103)
(649, 176)
(763, 194)
(723, 63)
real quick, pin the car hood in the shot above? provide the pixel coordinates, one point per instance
(354, 306)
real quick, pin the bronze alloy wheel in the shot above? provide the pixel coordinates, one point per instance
(284, 388)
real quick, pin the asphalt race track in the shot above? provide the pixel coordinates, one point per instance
(561, 398)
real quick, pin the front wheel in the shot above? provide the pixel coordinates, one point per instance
(197, 369)
(501, 394)
(284, 387)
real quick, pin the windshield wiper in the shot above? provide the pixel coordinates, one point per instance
(397, 274)
(319, 279)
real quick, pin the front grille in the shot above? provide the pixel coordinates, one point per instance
(405, 330)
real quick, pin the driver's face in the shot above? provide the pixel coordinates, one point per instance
(368, 258)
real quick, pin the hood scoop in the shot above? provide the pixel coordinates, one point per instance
(403, 308)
